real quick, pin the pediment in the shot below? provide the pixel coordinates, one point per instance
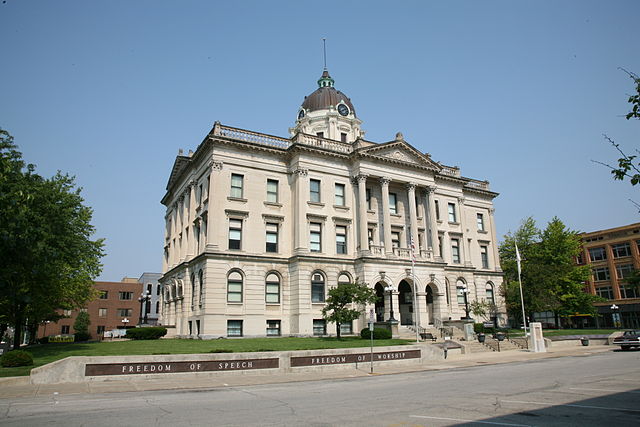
(399, 152)
(178, 166)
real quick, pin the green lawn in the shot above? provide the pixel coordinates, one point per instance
(47, 353)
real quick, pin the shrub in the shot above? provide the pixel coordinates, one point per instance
(43, 340)
(478, 328)
(378, 334)
(16, 358)
(82, 336)
(150, 333)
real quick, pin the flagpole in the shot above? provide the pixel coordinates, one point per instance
(524, 317)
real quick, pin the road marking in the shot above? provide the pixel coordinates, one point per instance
(469, 421)
(602, 389)
(571, 405)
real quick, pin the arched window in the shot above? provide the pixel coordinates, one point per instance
(234, 287)
(461, 288)
(317, 287)
(489, 293)
(193, 290)
(200, 290)
(344, 279)
(272, 289)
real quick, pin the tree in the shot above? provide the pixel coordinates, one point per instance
(49, 260)
(551, 280)
(340, 303)
(628, 167)
(81, 326)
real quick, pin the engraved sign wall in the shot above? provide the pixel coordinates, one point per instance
(336, 359)
(175, 367)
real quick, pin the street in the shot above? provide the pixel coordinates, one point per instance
(600, 389)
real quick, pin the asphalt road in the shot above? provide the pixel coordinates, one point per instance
(595, 390)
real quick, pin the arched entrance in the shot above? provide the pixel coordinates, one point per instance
(405, 299)
(429, 298)
(379, 288)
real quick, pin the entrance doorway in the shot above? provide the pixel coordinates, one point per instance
(429, 297)
(405, 299)
(379, 288)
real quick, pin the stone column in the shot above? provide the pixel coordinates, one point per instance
(465, 244)
(362, 211)
(433, 227)
(494, 240)
(301, 233)
(386, 215)
(446, 248)
(192, 244)
(184, 224)
(413, 216)
(214, 222)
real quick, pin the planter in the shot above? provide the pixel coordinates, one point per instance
(500, 337)
(584, 341)
(481, 337)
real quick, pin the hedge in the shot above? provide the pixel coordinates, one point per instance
(16, 358)
(378, 334)
(150, 333)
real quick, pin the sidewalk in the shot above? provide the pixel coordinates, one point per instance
(15, 387)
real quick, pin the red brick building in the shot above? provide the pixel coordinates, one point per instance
(116, 307)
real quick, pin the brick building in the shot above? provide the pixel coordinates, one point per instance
(613, 254)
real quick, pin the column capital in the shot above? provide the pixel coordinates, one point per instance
(430, 189)
(492, 211)
(384, 181)
(362, 177)
(461, 200)
(411, 186)
(300, 171)
(215, 165)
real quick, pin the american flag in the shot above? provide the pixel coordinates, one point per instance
(413, 250)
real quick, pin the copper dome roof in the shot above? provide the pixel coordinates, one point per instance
(326, 96)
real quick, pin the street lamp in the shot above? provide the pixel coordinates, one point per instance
(144, 297)
(615, 315)
(389, 288)
(465, 292)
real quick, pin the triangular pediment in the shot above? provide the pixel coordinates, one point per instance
(178, 166)
(399, 152)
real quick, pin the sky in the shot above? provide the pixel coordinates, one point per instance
(518, 93)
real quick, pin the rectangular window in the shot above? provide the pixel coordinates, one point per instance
(64, 329)
(370, 236)
(272, 237)
(102, 312)
(437, 204)
(624, 270)
(628, 291)
(319, 327)
(484, 256)
(234, 288)
(100, 330)
(273, 328)
(66, 312)
(597, 254)
(343, 137)
(125, 296)
(320, 134)
(368, 198)
(455, 251)
(234, 328)
(125, 312)
(235, 233)
(339, 200)
(104, 295)
(341, 239)
(314, 190)
(272, 191)
(199, 193)
(395, 239)
(393, 203)
(346, 328)
(315, 237)
(237, 182)
(621, 250)
(460, 295)
(480, 220)
(452, 212)
(605, 292)
(601, 273)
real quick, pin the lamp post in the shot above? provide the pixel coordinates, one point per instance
(465, 292)
(390, 289)
(144, 297)
(615, 315)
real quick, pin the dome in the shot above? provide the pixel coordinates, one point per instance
(326, 96)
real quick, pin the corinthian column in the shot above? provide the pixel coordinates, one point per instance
(386, 215)
(301, 234)
(465, 244)
(494, 240)
(362, 210)
(433, 227)
(413, 216)
(213, 224)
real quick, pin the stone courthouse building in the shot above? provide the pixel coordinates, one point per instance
(259, 228)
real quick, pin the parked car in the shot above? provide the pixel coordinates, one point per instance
(628, 339)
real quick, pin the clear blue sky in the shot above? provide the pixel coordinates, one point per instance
(515, 92)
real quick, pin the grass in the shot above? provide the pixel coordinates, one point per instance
(47, 353)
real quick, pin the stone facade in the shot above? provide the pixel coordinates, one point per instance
(259, 227)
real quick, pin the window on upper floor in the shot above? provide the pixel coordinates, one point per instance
(314, 190)
(437, 206)
(605, 292)
(339, 195)
(237, 185)
(597, 254)
(484, 256)
(102, 312)
(623, 271)
(343, 137)
(395, 239)
(601, 273)
(393, 203)
(452, 212)
(272, 191)
(368, 198)
(455, 251)
(621, 250)
(272, 237)
(235, 233)
(104, 295)
(125, 312)
(320, 134)
(628, 291)
(480, 221)
(315, 237)
(341, 239)
(125, 296)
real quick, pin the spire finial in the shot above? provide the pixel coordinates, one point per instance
(324, 50)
